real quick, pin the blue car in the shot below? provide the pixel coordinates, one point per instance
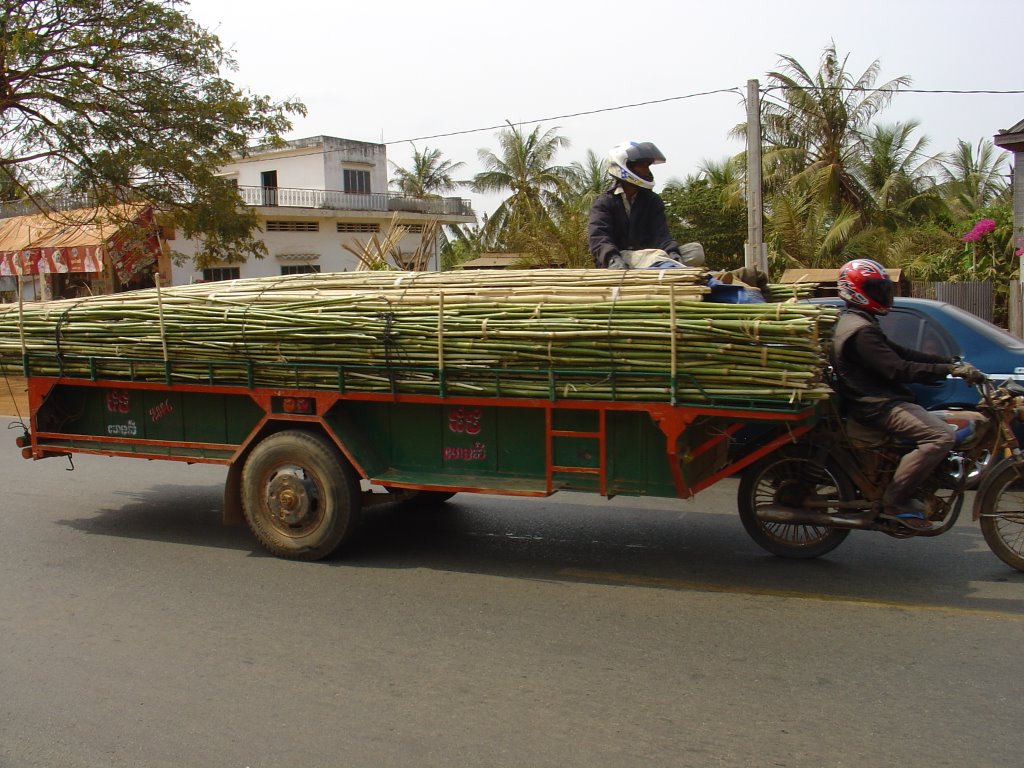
(942, 329)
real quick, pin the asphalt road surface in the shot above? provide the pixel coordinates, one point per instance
(570, 631)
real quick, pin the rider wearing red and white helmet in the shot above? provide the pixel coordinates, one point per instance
(631, 216)
(870, 374)
(865, 284)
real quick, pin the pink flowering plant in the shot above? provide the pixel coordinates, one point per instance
(979, 230)
(988, 246)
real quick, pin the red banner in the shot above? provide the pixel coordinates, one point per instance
(48, 261)
(136, 248)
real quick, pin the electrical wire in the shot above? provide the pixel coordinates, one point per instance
(583, 113)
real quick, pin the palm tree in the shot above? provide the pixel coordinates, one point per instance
(806, 233)
(430, 176)
(728, 176)
(525, 169)
(465, 242)
(973, 179)
(588, 178)
(896, 173)
(559, 239)
(814, 128)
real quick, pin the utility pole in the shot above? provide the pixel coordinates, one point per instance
(755, 252)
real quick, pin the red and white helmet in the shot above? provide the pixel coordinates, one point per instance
(622, 156)
(865, 284)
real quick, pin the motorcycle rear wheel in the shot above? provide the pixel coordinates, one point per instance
(786, 478)
(1001, 503)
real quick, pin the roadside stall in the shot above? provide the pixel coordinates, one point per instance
(83, 252)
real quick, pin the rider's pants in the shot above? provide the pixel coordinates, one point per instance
(934, 439)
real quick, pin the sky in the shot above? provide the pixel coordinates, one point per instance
(400, 71)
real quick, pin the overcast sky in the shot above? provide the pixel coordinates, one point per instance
(390, 71)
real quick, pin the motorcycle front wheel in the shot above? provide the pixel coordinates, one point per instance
(786, 479)
(1000, 503)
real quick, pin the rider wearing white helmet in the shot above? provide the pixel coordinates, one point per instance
(631, 216)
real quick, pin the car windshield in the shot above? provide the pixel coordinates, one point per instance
(983, 328)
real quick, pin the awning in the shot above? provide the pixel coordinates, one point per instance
(65, 241)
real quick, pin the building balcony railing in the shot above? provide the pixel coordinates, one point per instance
(353, 201)
(287, 198)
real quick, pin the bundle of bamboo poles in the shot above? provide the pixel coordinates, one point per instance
(594, 334)
(791, 291)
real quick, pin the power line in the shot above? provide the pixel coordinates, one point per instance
(852, 89)
(570, 115)
(520, 122)
(584, 113)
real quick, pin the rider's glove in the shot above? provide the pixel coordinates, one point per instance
(968, 373)
(615, 262)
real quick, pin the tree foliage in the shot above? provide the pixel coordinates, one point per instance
(896, 175)
(430, 175)
(526, 171)
(973, 177)
(813, 124)
(116, 100)
(709, 208)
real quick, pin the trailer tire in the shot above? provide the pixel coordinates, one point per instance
(784, 478)
(300, 496)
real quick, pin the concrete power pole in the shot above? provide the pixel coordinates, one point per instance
(755, 252)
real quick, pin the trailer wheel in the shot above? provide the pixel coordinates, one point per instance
(786, 478)
(300, 495)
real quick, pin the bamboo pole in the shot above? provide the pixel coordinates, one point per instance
(160, 314)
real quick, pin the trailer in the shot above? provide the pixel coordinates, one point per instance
(304, 461)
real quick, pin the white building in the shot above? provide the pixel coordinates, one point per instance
(313, 196)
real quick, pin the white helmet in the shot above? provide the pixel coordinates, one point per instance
(622, 155)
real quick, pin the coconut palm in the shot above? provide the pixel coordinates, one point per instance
(560, 237)
(805, 233)
(813, 125)
(973, 178)
(589, 178)
(897, 175)
(429, 176)
(525, 169)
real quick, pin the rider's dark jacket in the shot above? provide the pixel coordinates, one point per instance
(870, 370)
(610, 230)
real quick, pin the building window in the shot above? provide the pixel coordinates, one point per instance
(356, 181)
(414, 229)
(214, 274)
(293, 226)
(300, 269)
(348, 227)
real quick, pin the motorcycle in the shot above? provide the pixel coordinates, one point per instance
(803, 500)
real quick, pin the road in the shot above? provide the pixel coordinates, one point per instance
(569, 631)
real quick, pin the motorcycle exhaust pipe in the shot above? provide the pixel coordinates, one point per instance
(773, 513)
